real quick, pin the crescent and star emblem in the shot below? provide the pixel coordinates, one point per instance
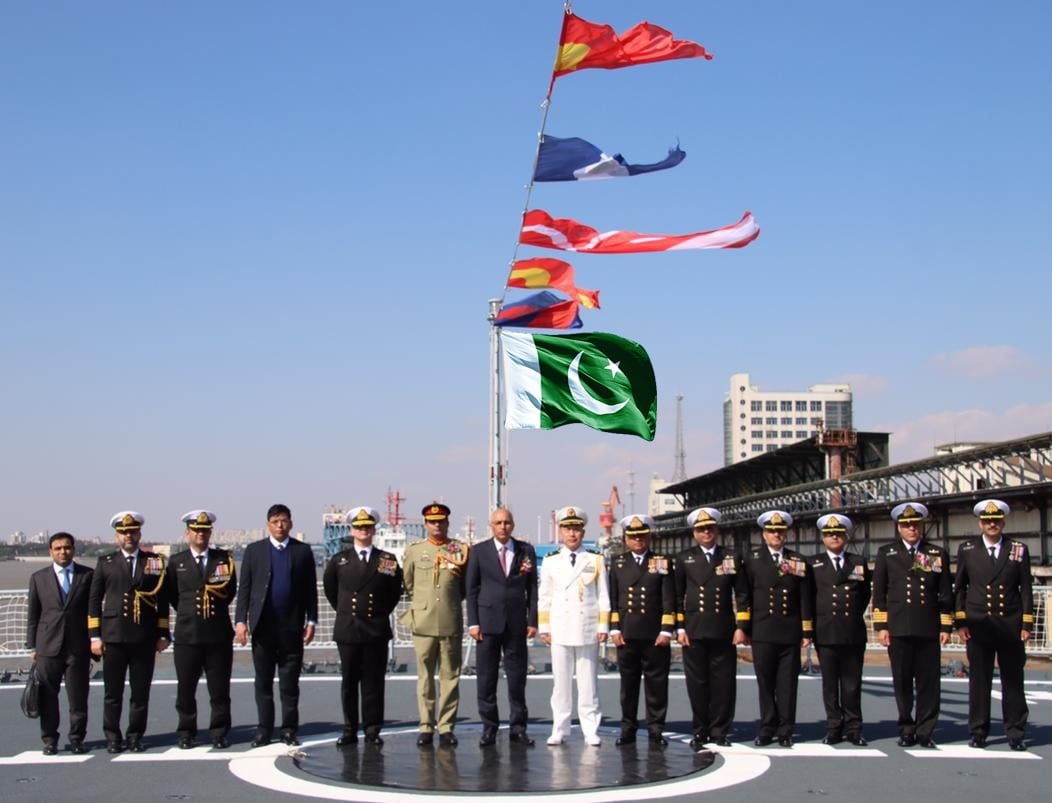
(583, 397)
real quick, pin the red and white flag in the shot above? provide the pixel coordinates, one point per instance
(563, 234)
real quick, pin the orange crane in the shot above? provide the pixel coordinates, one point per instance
(606, 518)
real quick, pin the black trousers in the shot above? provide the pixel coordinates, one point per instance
(842, 687)
(512, 644)
(216, 661)
(277, 643)
(1011, 657)
(363, 665)
(710, 668)
(135, 660)
(915, 661)
(777, 676)
(642, 659)
(75, 669)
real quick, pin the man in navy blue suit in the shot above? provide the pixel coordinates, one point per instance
(277, 603)
(57, 637)
(502, 615)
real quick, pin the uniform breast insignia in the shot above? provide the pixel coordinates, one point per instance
(342, 561)
(818, 563)
(690, 559)
(967, 546)
(153, 566)
(217, 586)
(726, 566)
(586, 578)
(858, 573)
(793, 566)
(388, 566)
(925, 563)
(657, 565)
(451, 556)
(892, 552)
(1017, 552)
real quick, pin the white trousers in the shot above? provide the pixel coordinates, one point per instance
(584, 660)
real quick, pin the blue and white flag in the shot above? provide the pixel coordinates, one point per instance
(574, 159)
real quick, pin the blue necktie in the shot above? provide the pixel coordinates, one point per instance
(65, 584)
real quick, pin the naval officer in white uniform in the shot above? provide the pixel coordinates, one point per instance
(573, 608)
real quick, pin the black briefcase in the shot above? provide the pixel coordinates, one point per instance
(31, 695)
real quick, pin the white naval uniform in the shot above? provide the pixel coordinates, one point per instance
(573, 606)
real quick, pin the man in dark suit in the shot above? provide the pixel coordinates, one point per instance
(201, 585)
(128, 626)
(842, 591)
(995, 618)
(707, 578)
(57, 638)
(364, 585)
(776, 610)
(278, 607)
(502, 615)
(912, 614)
(642, 621)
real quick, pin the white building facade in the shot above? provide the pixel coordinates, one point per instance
(756, 421)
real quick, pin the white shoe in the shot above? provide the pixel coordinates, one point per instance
(593, 741)
(554, 740)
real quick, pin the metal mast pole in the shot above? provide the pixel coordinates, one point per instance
(496, 419)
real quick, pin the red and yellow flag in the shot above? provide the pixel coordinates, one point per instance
(586, 44)
(546, 272)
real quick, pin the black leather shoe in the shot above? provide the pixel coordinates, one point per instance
(858, 740)
(927, 741)
(785, 741)
(346, 739)
(1017, 745)
(186, 742)
(447, 739)
(625, 738)
(658, 739)
(425, 739)
(762, 741)
(907, 740)
(698, 743)
(978, 742)
(723, 741)
(50, 749)
(114, 747)
(135, 746)
(374, 739)
(76, 746)
(289, 738)
(832, 738)
(489, 738)
(220, 743)
(261, 740)
(521, 738)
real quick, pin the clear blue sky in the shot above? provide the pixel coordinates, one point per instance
(246, 247)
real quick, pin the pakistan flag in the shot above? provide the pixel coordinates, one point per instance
(597, 379)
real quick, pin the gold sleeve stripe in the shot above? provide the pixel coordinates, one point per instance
(958, 615)
(1028, 618)
(604, 617)
(544, 618)
(880, 617)
(668, 619)
(162, 623)
(808, 624)
(94, 621)
(945, 619)
(743, 616)
(615, 617)
(680, 617)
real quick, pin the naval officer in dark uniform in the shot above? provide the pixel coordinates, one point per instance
(912, 614)
(642, 621)
(707, 577)
(842, 592)
(363, 584)
(995, 618)
(128, 626)
(776, 610)
(201, 584)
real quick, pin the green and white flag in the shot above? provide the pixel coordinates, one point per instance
(600, 380)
